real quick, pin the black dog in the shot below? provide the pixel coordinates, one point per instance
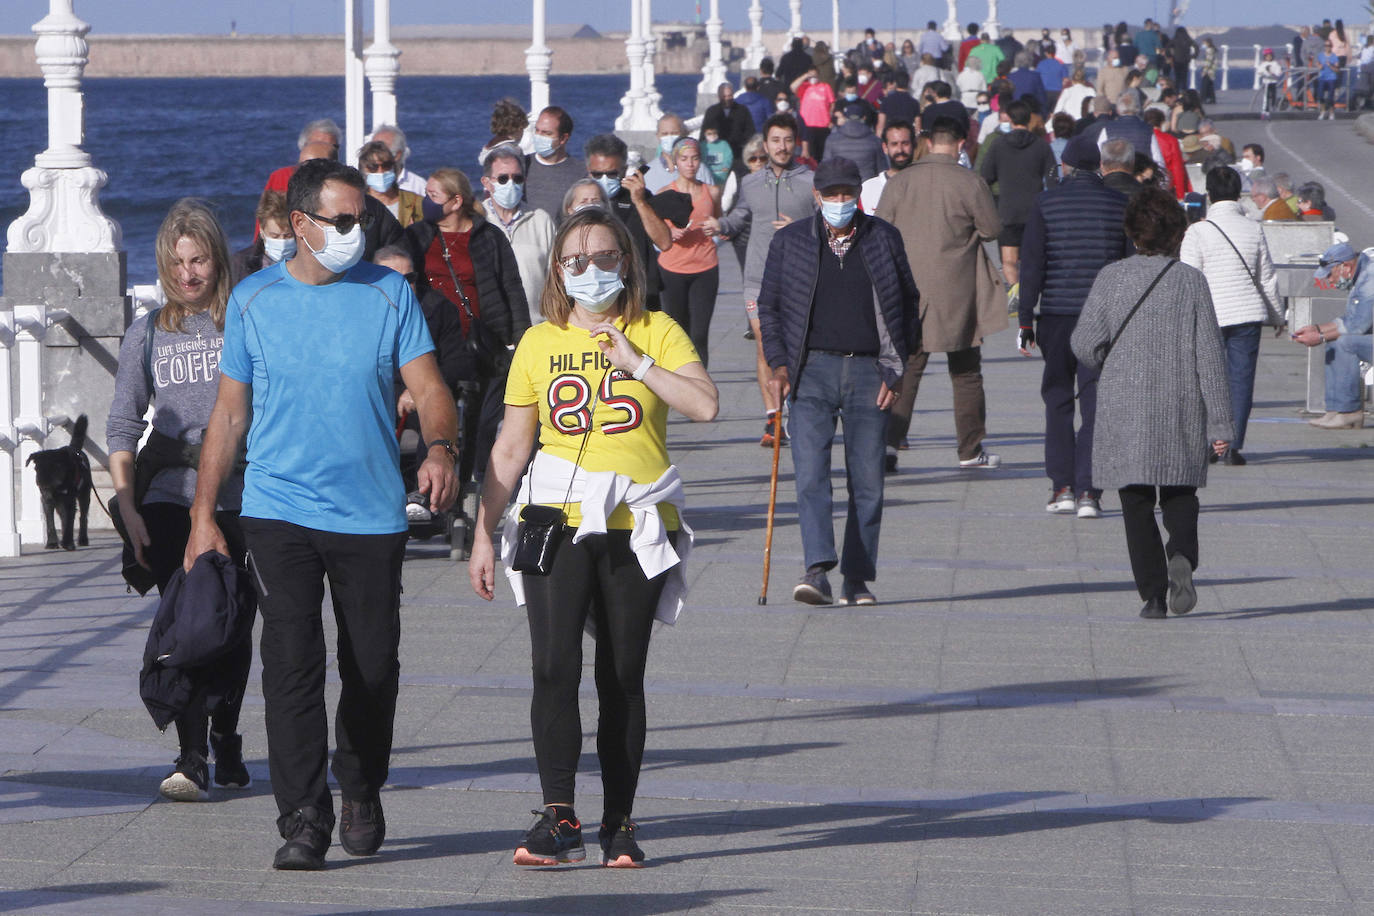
(64, 482)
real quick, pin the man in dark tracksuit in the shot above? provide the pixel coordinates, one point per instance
(837, 312)
(1073, 231)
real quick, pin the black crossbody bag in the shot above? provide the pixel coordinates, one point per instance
(542, 528)
(1104, 350)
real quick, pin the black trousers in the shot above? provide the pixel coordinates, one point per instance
(1149, 555)
(364, 575)
(690, 300)
(1068, 457)
(601, 577)
(169, 528)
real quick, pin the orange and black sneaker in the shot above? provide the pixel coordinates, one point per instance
(552, 840)
(618, 846)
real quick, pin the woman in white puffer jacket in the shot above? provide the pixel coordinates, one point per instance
(1229, 248)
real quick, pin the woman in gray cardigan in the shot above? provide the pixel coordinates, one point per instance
(1162, 398)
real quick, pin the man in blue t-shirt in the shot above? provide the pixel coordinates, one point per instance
(311, 348)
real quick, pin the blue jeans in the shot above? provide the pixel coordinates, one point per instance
(831, 386)
(1242, 354)
(1343, 382)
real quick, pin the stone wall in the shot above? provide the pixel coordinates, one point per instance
(274, 55)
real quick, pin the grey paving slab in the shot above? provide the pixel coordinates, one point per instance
(1001, 734)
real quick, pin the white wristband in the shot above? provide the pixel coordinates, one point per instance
(643, 370)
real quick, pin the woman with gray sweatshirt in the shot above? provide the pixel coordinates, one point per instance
(1162, 400)
(170, 357)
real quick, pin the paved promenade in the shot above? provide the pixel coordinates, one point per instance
(1001, 734)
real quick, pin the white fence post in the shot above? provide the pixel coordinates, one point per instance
(31, 324)
(9, 442)
(1225, 67)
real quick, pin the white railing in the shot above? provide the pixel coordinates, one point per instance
(21, 341)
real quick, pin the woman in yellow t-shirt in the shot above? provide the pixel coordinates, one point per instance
(596, 381)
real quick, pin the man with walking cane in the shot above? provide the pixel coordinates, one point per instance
(837, 311)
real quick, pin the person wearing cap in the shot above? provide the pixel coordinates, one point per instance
(854, 140)
(944, 213)
(1347, 339)
(838, 319)
(1073, 231)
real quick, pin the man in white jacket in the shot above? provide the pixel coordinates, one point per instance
(528, 229)
(1230, 250)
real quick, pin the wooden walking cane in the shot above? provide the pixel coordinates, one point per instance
(772, 503)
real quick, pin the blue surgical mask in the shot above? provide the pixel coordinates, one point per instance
(1004, 127)
(279, 249)
(665, 144)
(507, 196)
(851, 96)
(594, 289)
(543, 146)
(610, 184)
(381, 182)
(340, 251)
(838, 213)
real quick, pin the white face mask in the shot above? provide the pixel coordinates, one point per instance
(1246, 166)
(543, 146)
(594, 289)
(863, 79)
(507, 196)
(340, 252)
(784, 105)
(665, 143)
(279, 249)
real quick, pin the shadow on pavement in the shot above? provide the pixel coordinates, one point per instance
(1343, 604)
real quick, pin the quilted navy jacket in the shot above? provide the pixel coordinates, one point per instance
(1073, 231)
(787, 296)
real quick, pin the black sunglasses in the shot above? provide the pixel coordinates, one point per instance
(411, 277)
(758, 159)
(507, 179)
(611, 174)
(344, 222)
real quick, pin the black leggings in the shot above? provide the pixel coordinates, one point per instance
(1149, 555)
(690, 299)
(601, 577)
(169, 528)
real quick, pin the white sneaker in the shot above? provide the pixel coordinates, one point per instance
(1061, 501)
(1089, 506)
(983, 460)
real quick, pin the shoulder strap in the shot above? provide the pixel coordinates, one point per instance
(457, 284)
(148, 348)
(1135, 308)
(1268, 306)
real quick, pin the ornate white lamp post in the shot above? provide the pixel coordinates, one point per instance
(382, 64)
(651, 92)
(713, 72)
(835, 51)
(354, 102)
(756, 51)
(951, 30)
(63, 262)
(634, 105)
(991, 25)
(794, 28)
(538, 62)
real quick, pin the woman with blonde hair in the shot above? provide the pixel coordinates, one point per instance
(595, 382)
(170, 358)
(690, 270)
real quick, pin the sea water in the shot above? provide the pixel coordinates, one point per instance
(163, 139)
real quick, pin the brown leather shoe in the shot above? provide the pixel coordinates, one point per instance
(362, 826)
(1333, 419)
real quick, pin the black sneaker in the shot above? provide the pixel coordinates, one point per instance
(1154, 609)
(190, 781)
(230, 773)
(618, 846)
(551, 841)
(307, 840)
(1182, 592)
(814, 587)
(362, 825)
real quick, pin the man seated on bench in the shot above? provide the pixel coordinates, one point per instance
(1348, 338)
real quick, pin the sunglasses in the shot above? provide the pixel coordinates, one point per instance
(576, 264)
(611, 174)
(411, 277)
(507, 179)
(758, 159)
(344, 222)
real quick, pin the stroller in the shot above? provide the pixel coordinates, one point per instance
(455, 525)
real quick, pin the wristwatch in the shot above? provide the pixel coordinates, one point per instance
(447, 446)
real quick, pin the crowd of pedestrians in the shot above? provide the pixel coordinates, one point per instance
(885, 206)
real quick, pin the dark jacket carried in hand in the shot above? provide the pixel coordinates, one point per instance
(1073, 231)
(787, 297)
(203, 615)
(854, 140)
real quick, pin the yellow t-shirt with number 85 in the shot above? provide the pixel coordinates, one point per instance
(564, 373)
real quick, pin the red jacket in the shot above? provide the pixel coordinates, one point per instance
(1173, 161)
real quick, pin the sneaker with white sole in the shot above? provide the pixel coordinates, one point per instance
(814, 587)
(983, 460)
(190, 781)
(1061, 501)
(855, 591)
(1089, 506)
